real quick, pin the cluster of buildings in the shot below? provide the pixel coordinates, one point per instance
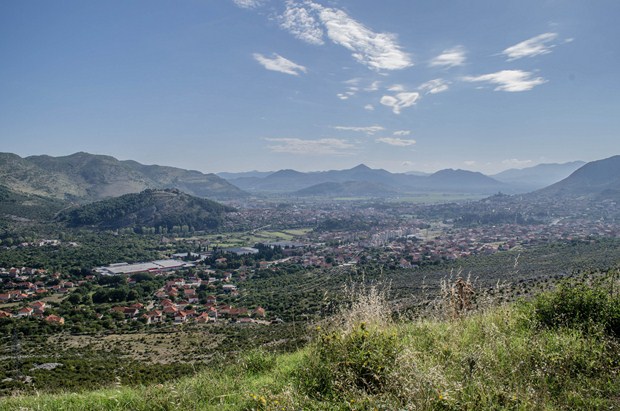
(22, 284)
(34, 310)
(178, 302)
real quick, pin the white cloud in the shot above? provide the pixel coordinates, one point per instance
(352, 89)
(300, 22)
(395, 141)
(367, 130)
(248, 4)
(535, 46)
(396, 87)
(449, 58)
(509, 80)
(378, 51)
(515, 162)
(434, 86)
(279, 63)
(310, 21)
(374, 86)
(369, 107)
(353, 82)
(324, 146)
(400, 100)
(402, 132)
(470, 163)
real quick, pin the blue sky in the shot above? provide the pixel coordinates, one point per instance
(237, 85)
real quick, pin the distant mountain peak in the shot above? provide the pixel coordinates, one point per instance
(361, 167)
(458, 171)
(288, 172)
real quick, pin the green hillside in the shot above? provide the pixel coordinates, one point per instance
(560, 351)
(21, 206)
(150, 208)
(88, 177)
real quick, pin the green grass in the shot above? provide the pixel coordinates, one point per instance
(505, 357)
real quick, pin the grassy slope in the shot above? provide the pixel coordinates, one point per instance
(498, 359)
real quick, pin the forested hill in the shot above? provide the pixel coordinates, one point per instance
(19, 206)
(150, 208)
(85, 177)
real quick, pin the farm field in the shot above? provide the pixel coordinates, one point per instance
(249, 238)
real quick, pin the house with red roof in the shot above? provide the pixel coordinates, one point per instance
(25, 312)
(54, 319)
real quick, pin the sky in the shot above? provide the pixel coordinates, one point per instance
(239, 85)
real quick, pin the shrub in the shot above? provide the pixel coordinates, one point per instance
(357, 353)
(580, 306)
(360, 360)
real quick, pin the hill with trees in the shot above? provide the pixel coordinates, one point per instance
(154, 209)
(88, 177)
(27, 207)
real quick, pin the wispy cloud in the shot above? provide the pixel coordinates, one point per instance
(368, 130)
(379, 51)
(541, 44)
(248, 4)
(279, 63)
(352, 89)
(449, 58)
(308, 21)
(301, 23)
(396, 87)
(374, 86)
(402, 132)
(395, 141)
(509, 80)
(400, 100)
(515, 162)
(369, 107)
(434, 86)
(324, 146)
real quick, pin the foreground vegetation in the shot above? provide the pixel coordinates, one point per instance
(559, 351)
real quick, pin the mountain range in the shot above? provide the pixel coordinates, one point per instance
(381, 183)
(84, 177)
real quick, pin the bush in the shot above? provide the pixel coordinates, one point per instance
(358, 352)
(360, 360)
(580, 306)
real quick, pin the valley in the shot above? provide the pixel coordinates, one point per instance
(149, 287)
